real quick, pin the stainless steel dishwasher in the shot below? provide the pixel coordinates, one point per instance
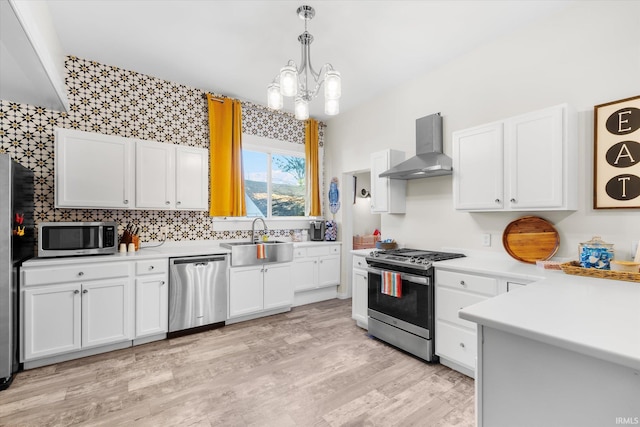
(197, 293)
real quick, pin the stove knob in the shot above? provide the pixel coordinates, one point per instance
(412, 259)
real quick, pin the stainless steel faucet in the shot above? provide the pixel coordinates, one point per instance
(253, 229)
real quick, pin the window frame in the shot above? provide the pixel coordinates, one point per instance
(273, 146)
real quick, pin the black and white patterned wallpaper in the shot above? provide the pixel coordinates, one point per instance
(108, 100)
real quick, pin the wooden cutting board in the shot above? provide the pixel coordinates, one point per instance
(530, 239)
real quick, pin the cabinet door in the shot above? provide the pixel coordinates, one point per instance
(93, 170)
(360, 297)
(155, 175)
(51, 321)
(387, 195)
(192, 178)
(328, 271)
(478, 168)
(245, 291)
(534, 150)
(152, 312)
(278, 290)
(379, 188)
(304, 273)
(105, 312)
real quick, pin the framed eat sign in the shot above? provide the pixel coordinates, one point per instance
(616, 167)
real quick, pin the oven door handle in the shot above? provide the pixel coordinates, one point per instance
(404, 276)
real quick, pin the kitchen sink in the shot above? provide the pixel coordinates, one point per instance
(246, 253)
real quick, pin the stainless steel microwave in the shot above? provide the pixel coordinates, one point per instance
(58, 239)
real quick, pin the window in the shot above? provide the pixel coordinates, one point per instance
(274, 182)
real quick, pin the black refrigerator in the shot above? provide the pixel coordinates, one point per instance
(17, 244)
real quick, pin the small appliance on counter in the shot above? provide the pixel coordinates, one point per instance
(316, 230)
(59, 239)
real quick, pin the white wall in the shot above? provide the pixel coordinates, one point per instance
(587, 55)
(364, 222)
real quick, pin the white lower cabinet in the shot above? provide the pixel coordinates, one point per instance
(51, 321)
(456, 338)
(316, 267)
(259, 288)
(61, 316)
(152, 297)
(360, 294)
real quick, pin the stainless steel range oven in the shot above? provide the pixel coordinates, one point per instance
(401, 305)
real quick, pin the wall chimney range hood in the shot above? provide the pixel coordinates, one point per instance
(429, 160)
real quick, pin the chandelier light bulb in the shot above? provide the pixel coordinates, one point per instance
(289, 81)
(301, 109)
(332, 85)
(274, 97)
(331, 106)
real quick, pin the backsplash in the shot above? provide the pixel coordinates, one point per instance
(108, 100)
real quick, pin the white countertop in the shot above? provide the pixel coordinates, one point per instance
(596, 317)
(495, 266)
(167, 250)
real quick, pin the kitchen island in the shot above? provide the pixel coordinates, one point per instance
(563, 351)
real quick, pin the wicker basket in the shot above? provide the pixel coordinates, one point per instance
(574, 268)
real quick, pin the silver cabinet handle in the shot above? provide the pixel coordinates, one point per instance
(265, 270)
(151, 267)
(81, 274)
(513, 200)
(497, 200)
(162, 283)
(167, 203)
(462, 344)
(178, 203)
(462, 283)
(85, 291)
(126, 201)
(76, 291)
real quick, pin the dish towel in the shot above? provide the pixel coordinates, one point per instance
(261, 251)
(391, 284)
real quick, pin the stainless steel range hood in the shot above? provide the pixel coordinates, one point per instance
(429, 160)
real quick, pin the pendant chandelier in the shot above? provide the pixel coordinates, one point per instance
(303, 82)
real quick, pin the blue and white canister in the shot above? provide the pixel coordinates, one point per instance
(330, 231)
(596, 254)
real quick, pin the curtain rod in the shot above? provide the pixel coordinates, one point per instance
(251, 105)
(213, 96)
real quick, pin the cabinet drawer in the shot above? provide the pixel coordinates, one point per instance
(299, 252)
(449, 301)
(359, 262)
(318, 250)
(76, 273)
(467, 282)
(456, 344)
(152, 266)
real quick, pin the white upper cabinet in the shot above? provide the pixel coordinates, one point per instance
(478, 168)
(155, 175)
(387, 195)
(93, 170)
(111, 172)
(524, 163)
(192, 178)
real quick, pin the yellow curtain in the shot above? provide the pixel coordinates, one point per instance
(225, 158)
(312, 166)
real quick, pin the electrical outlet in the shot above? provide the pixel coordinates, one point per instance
(486, 239)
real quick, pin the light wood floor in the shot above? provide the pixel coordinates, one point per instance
(309, 367)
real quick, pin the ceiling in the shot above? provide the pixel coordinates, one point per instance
(236, 48)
